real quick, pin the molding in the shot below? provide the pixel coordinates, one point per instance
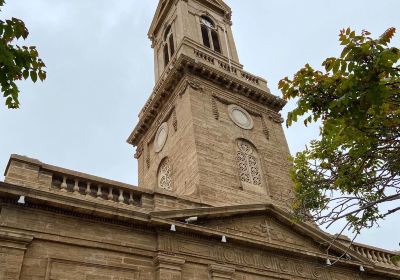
(218, 271)
(163, 260)
(187, 65)
(14, 240)
(51, 261)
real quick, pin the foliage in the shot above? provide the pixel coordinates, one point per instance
(354, 167)
(16, 63)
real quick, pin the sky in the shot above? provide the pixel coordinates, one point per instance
(100, 73)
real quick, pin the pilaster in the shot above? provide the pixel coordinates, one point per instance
(168, 267)
(221, 272)
(12, 250)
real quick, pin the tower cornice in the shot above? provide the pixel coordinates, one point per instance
(194, 59)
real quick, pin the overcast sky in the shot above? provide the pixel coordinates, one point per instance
(100, 73)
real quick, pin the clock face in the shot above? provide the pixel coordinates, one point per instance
(240, 117)
(161, 137)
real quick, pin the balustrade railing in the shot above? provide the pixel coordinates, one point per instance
(377, 256)
(227, 67)
(85, 188)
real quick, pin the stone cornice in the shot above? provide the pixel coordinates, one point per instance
(304, 228)
(213, 234)
(14, 240)
(185, 64)
(40, 200)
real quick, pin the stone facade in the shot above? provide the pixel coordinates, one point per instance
(214, 194)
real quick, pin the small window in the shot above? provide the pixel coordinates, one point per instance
(209, 33)
(169, 47)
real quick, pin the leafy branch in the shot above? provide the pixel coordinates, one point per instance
(354, 167)
(16, 62)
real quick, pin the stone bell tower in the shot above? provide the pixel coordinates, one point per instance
(210, 131)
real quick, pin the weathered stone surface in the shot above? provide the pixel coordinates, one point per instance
(214, 191)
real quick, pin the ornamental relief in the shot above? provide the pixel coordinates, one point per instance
(165, 175)
(265, 228)
(259, 259)
(248, 164)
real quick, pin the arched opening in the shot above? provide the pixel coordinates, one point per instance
(168, 45)
(165, 175)
(209, 33)
(248, 163)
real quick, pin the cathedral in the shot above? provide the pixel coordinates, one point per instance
(214, 193)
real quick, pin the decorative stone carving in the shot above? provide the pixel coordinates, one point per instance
(265, 128)
(164, 175)
(215, 108)
(161, 137)
(247, 160)
(266, 262)
(139, 151)
(194, 85)
(240, 117)
(148, 157)
(174, 120)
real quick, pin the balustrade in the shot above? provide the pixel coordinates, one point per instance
(89, 189)
(376, 256)
(227, 67)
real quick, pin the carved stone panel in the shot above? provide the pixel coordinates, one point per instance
(239, 257)
(264, 228)
(248, 163)
(165, 175)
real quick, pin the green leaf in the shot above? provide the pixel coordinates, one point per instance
(34, 76)
(25, 74)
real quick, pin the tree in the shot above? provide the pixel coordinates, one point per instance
(16, 63)
(353, 169)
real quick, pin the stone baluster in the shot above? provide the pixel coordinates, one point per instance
(386, 258)
(64, 186)
(357, 249)
(110, 194)
(379, 257)
(369, 256)
(121, 196)
(76, 186)
(131, 201)
(88, 191)
(363, 252)
(374, 258)
(99, 192)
